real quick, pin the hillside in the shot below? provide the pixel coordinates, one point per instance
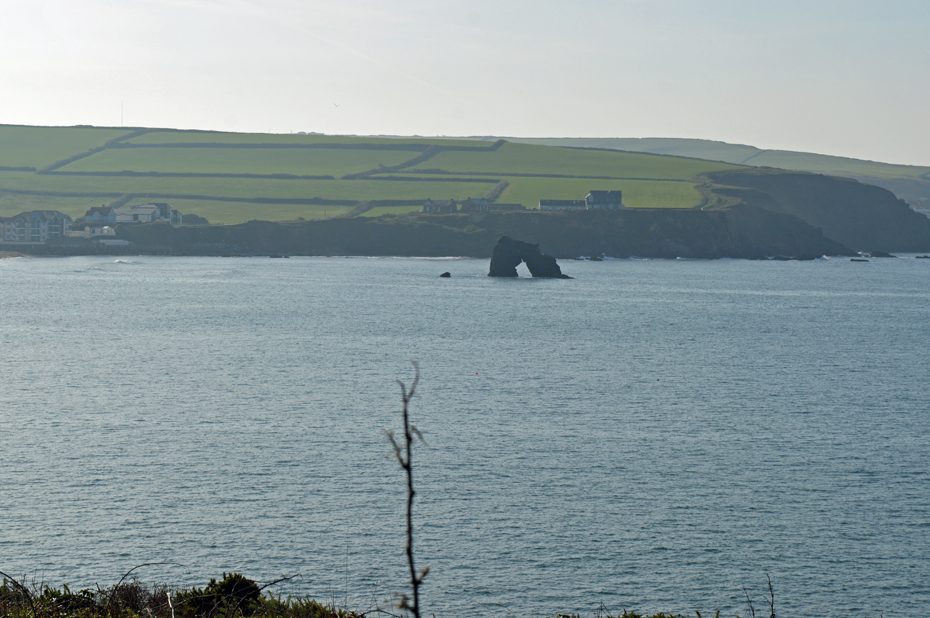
(909, 182)
(232, 178)
(236, 177)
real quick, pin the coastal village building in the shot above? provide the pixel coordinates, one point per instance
(551, 205)
(135, 213)
(470, 205)
(594, 200)
(90, 230)
(604, 200)
(482, 205)
(35, 226)
(439, 208)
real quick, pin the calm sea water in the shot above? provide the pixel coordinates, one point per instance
(656, 435)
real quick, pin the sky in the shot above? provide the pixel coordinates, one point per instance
(845, 77)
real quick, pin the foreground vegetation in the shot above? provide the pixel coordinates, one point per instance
(232, 596)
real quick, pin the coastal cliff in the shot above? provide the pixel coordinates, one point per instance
(742, 231)
(860, 216)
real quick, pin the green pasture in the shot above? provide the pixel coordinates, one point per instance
(229, 213)
(354, 190)
(210, 137)
(531, 159)
(839, 166)
(41, 146)
(699, 148)
(328, 162)
(636, 193)
(739, 154)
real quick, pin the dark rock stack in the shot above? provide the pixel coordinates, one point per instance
(508, 253)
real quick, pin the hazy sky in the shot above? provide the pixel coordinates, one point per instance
(837, 76)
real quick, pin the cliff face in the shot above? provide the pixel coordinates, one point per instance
(860, 216)
(739, 232)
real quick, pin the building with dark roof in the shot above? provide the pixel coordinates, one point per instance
(440, 208)
(604, 200)
(553, 205)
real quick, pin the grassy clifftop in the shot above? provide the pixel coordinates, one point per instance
(909, 182)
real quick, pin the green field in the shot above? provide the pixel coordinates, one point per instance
(41, 146)
(528, 159)
(908, 182)
(636, 193)
(322, 162)
(741, 154)
(236, 181)
(839, 166)
(244, 188)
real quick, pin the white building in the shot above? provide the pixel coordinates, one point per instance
(35, 226)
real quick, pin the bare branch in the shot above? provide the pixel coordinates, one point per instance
(771, 597)
(404, 454)
(752, 610)
(128, 573)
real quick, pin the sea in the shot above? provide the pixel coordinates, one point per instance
(650, 435)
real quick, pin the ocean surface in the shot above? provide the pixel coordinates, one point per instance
(652, 435)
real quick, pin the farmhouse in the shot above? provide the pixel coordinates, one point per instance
(135, 213)
(551, 205)
(594, 200)
(473, 204)
(603, 200)
(35, 226)
(439, 208)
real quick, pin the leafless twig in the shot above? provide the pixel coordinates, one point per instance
(130, 572)
(752, 610)
(771, 597)
(404, 454)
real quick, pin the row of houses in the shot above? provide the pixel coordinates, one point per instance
(134, 213)
(40, 226)
(594, 200)
(468, 205)
(35, 226)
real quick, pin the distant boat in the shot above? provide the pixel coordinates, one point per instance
(278, 256)
(858, 259)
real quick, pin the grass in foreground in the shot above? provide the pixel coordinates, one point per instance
(234, 595)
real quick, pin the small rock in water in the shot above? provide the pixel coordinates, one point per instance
(446, 275)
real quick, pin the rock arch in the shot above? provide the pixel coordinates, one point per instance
(508, 253)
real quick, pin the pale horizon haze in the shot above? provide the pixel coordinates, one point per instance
(838, 77)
